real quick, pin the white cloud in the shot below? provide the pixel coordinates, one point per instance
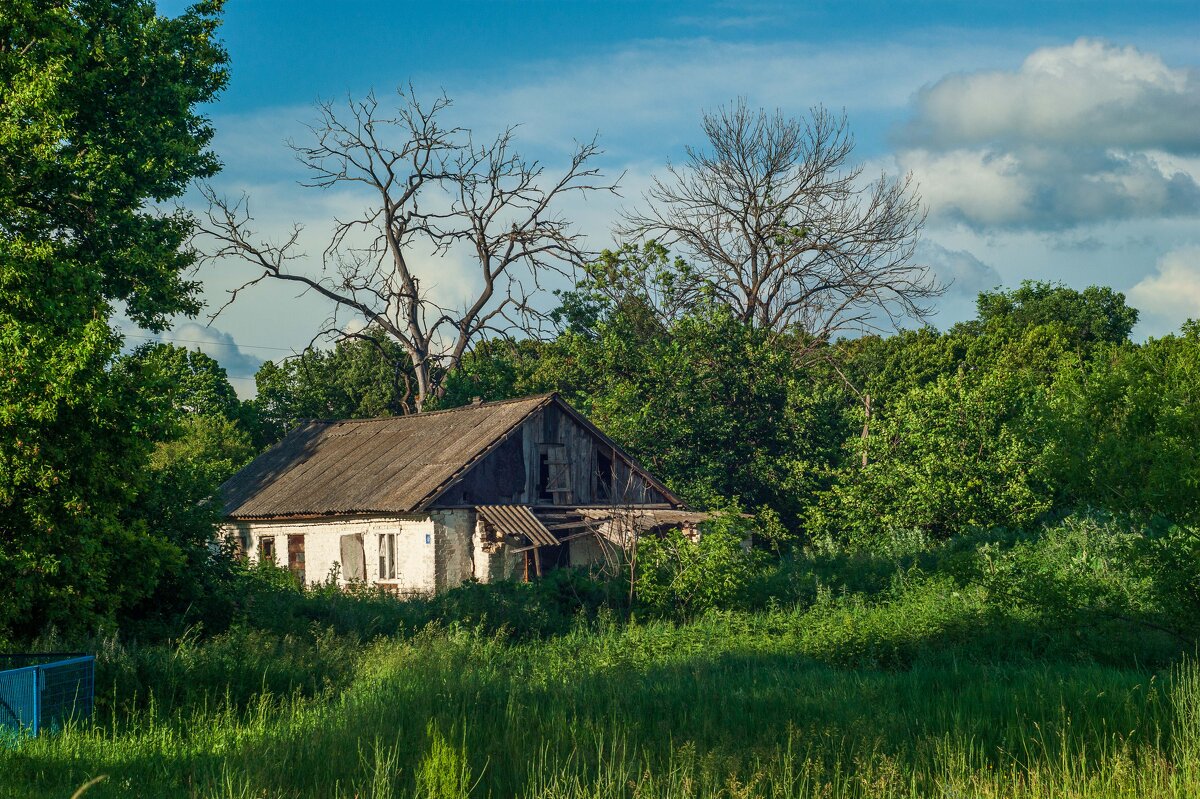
(216, 344)
(1171, 294)
(1088, 93)
(970, 184)
(1048, 188)
(1078, 135)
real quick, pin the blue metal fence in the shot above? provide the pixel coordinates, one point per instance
(42, 692)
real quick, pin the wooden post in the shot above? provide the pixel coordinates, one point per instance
(537, 561)
(866, 433)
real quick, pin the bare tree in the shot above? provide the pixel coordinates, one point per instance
(436, 194)
(779, 226)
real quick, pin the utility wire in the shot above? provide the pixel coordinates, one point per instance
(235, 345)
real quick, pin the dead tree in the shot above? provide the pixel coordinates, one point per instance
(778, 225)
(436, 194)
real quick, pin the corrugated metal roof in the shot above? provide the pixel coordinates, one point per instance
(393, 465)
(518, 519)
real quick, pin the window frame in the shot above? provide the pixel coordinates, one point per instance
(387, 557)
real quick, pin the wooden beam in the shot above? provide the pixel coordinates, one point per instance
(570, 525)
(562, 540)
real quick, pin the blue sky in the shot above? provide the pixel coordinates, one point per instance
(1054, 140)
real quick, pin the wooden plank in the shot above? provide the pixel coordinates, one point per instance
(571, 525)
(563, 540)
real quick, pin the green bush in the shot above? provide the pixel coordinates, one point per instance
(679, 576)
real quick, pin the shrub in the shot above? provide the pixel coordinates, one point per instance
(680, 576)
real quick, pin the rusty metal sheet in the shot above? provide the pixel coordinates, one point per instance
(518, 519)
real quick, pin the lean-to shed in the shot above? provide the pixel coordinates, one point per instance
(418, 504)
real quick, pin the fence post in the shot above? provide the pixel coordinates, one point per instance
(37, 700)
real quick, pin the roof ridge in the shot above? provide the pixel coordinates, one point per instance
(426, 414)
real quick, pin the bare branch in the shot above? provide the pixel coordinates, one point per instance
(778, 224)
(435, 193)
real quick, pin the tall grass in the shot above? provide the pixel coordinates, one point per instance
(1005, 664)
(726, 706)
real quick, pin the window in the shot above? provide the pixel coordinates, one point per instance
(387, 556)
(266, 549)
(554, 474)
(544, 477)
(296, 556)
(604, 475)
(354, 561)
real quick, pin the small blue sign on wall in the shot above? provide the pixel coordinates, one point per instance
(428, 538)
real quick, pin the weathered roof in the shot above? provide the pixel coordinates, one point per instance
(648, 518)
(392, 465)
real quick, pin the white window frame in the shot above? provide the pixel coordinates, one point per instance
(387, 556)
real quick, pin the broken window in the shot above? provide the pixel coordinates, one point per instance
(354, 564)
(554, 473)
(266, 549)
(387, 556)
(605, 475)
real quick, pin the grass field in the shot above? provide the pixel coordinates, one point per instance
(728, 705)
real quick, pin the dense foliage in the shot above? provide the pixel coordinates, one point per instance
(1038, 408)
(361, 377)
(98, 121)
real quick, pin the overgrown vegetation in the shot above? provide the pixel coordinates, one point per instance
(874, 677)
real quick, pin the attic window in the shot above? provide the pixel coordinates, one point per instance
(605, 475)
(554, 473)
(544, 476)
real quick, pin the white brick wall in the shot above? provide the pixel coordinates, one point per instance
(433, 553)
(454, 562)
(415, 547)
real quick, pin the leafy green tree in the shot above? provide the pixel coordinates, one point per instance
(196, 383)
(644, 284)
(497, 369)
(888, 366)
(205, 440)
(679, 576)
(1126, 426)
(960, 452)
(713, 405)
(1096, 315)
(207, 423)
(97, 120)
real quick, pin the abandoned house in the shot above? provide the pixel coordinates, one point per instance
(418, 504)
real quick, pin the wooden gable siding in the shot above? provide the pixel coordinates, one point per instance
(509, 474)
